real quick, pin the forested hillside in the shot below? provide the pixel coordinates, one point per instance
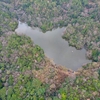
(8, 20)
(48, 14)
(26, 73)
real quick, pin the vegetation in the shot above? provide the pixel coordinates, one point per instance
(16, 69)
(22, 70)
(25, 72)
(7, 19)
(20, 52)
(86, 86)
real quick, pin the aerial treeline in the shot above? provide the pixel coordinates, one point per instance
(48, 14)
(7, 19)
(18, 57)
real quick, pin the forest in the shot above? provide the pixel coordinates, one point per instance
(26, 73)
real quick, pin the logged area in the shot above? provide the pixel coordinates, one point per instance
(25, 71)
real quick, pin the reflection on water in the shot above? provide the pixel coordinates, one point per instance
(55, 47)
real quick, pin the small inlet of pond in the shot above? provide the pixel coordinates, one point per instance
(55, 47)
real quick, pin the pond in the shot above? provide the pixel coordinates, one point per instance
(55, 47)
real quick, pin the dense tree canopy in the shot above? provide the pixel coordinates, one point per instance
(25, 72)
